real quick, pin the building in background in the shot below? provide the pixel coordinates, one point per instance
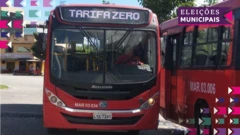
(29, 30)
(19, 57)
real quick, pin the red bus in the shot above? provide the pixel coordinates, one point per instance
(199, 64)
(101, 68)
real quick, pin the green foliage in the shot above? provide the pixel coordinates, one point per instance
(85, 48)
(211, 2)
(3, 86)
(105, 2)
(165, 9)
(36, 48)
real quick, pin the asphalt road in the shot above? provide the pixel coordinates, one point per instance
(21, 110)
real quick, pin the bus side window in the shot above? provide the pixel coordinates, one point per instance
(206, 46)
(186, 52)
(227, 37)
(163, 49)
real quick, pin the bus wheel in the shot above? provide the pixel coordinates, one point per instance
(133, 132)
(203, 118)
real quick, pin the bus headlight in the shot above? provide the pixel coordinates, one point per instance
(59, 103)
(54, 99)
(150, 102)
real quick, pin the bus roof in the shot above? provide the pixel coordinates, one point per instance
(174, 22)
(104, 5)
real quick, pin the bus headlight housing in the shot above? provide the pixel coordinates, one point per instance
(150, 102)
(54, 99)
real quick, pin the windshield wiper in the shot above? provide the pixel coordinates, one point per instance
(124, 37)
(89, 39)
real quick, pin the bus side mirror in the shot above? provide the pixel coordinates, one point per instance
(39, 46)
(44, 43)
(41, 42)
(42, 38)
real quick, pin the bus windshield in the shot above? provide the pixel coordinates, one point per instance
(99, 56)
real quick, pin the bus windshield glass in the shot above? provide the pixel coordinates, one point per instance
(99, 56)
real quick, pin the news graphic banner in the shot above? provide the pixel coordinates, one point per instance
(34, 9)
(226, 121)
(33, 3)
(204, 16)
(11, 20)
(15, 14)
(203, 121)
(5, 44)
(227, 111)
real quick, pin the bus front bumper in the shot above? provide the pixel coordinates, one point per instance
(67, 118)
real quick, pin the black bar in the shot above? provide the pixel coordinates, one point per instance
(104, 15)
(104, 55)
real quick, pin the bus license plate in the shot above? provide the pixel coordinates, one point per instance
(102, 116)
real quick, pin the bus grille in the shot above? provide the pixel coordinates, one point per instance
(106, 95)
(118, 93)
(91, 121)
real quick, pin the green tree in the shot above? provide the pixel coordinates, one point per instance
(36, 48)
(165, 9)
(211, 2)
(105, 2)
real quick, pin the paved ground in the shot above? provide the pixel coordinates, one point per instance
(21, 109)
(22, 89)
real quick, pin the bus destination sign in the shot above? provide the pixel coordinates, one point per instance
(104, 15)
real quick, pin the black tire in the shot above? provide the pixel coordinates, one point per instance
(201, 115)
(133, 132)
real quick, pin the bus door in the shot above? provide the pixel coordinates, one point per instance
(171, 64)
